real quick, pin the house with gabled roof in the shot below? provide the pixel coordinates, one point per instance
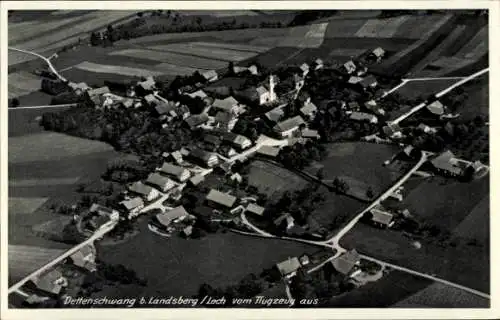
(225, 120)
(289, 126)
(309, 109)
(148, 84)
(275, 115)
(218, 199)
(304, 68)
(165, 219)
(362, 116)
(346, 263)
(349, 67)
(179, 173)
(381, 217)
(196, 120)
(289, 267)
(210, 75)
(198, 94)
(368, 82)
(228, 104)
(318, 64)
(436, 108)
(446, 163)
(256, 210)
(253, 69)
(85, 258)
(160, 182)
(378, 53)
(52, 281)
(268, 151)
(132, 206)
(206, 158)
(146, 192)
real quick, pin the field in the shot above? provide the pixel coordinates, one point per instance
(47, 36)
(446, 205)
(206, 52)
(438, 295)
(273, 180)
(415, 89)
(126, 71)
(27, 259)
(359, 161)
(175, 266)
(478, 102)
(383, 293)
(22, 83)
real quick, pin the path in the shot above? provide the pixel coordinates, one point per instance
(438, 95)
(46, 107)
(47, 60)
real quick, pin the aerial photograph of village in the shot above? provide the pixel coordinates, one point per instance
(248, 159)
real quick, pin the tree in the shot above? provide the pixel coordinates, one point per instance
(369, 193)
(320, 174)
(14, 103)
(140, 14)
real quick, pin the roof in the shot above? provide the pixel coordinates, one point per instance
(275, 114)
(362, 116)
(255, 209)
(166, 218)
(318, 61)
(353, 105)
(199, 93)
(241, 140)
(197, 179)
(269, 151)
(101, 210)
(346, 261)
(223, 117)
(210, 138)
(378, 52)
(162, 107)
(173, 170)
(308, 108)
(148, 84)
(308, 133)
(354, 80)
(253, 69)
(367, 81)
(289, 124)
(159, 180)
(209, 74)
(150, 98)
(436, 107)
(132, 203)
(261, 90)
(288, 266)
(188, 230)
(371, 104)
(47, 281)
(196, 120)
(381, 216)
(98, 91)
(444, 162)
(304, 67)
(201, 154)
(221, 198)
(140, 188)
(350, 65)
(226, 104)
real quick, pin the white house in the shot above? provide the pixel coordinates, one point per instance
(289, 126)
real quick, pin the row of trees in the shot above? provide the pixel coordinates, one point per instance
(299, 156)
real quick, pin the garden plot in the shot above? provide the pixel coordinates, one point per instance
(381, 28)
(22, 83)
(126, 71)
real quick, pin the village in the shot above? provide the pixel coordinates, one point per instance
(204, 184)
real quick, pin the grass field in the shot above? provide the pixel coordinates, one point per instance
(477, 46)
(478, 102)
(23, 121)
(381, 28)
(25, 205)
(175, 266)
(383, 293)
(206, 52)
(360, 161)
(438, 295)
(415, 89)
(22, 83)
(116, 69)
(273, 180)
(26, 259)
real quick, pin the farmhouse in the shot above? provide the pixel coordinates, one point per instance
(85, 258)
(288, 127)
(345, 263)
(51, 282)
(196, 120)
(210, 75)
(305, 69)
(179, 173)
(368, 82)
(147, 85)
(447, 164)
(146, 192)
(183, 112)
(78, 88)
(268, 151)
(309, 109)
(103, 211)
(160, 182)
(255, 210)
(349, 67)
(354, 80)
(381, 218)
(225, 120)
(285, 219)
(211, 142)
(436, 108)
(227, 151)
(228, 104)
(372, 106)
(219, 199)
(94, 95)
(132, 206)
(377, 53)
(318, 64)
(151, 100)
(310, 134)
(361, 116)
(196, 180)
(164, 108)
(165, 219)
(236, 177)
(275, 115)
(206, 158)
(289, 267)
(237, 140)
(187, 231)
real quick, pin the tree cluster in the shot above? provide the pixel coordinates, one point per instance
(300, 156)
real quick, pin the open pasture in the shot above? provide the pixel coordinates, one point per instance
(476, 47)
(22, 83)
(309, 36)
(381, 28)
(212, 53)
(116, 69)
(273, 180)
(232, 46)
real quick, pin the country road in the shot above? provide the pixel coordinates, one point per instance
(47, 60)
(438, 95)
(46, 107)
(98, 234)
